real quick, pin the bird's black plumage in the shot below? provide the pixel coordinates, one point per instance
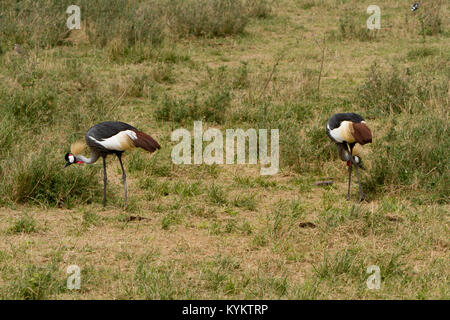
(336, 120)
(105, 130)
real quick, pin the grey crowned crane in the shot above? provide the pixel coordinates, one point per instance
(110, 138)
(347, 130)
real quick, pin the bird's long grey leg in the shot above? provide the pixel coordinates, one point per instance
(105, 179)
(362, 196)
(352, 159)
(124, 177)
(349, 179)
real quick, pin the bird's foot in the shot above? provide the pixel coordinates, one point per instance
(347, 197)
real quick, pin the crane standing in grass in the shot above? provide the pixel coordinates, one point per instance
(110, 138)
(346, 130)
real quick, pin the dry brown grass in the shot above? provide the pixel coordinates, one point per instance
(294, 240)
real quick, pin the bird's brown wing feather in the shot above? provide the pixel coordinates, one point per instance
(361, 133)
(146, 142)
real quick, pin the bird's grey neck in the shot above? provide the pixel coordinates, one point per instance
(92, 159)
(343, 153)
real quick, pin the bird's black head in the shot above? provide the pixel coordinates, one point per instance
(70, 159)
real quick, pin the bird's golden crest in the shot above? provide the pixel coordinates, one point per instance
(357, 149)
(77, 147)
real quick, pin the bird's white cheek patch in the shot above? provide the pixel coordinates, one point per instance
(71, 159)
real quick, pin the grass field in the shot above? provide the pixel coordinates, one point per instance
(225, 231)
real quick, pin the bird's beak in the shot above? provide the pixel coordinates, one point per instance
(67, 164)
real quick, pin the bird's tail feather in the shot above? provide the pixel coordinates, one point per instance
(146, 142)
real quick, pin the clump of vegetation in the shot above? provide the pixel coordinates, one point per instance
(25, 224)
(157, 282)
(351, 28)
(344, 262)
(42, 180)
(20, 18)
(131, 22)
(217, 195)
(31, 107)
(422, 165)
(169, 219)
(127, 22)
(384, 91)
(208, 17)
(259, 8)
(139, 85)
(186, 190)
(136, 162)
(421, 52)
(308, 4)
(7, 134)
(430, 19)
(177, 110)
(36, 283)
(90, 219)
(245, 201)
(211, 108)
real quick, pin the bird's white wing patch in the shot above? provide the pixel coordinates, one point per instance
(337, 134)
(131, 134)
(120, 142)
(342, 133)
